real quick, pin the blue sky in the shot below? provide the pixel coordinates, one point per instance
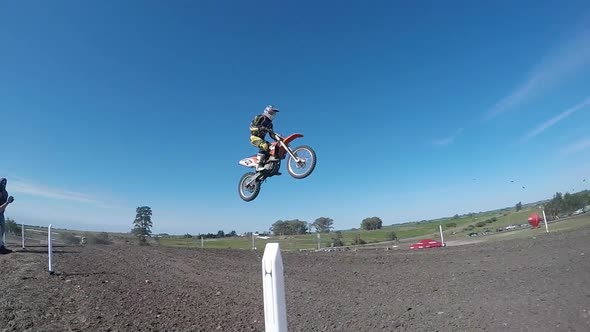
(416, 111)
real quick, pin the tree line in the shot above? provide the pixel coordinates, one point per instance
(566, 204)
(220, 234)
(320, 225)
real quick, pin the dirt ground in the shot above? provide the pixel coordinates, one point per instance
(540, 284)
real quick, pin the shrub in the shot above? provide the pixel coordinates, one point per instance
(358, 241)
(392, 236)
(337, 240)
(480, 224)
(101, 238)
(69, 238)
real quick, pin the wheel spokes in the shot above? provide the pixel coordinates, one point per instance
(301, 161)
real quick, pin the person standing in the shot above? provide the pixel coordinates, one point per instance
(4, 201)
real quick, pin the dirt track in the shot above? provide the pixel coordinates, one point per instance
(538, 284)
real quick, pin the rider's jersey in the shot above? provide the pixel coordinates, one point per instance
(260, 126)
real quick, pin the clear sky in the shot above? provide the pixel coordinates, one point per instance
(416, 109)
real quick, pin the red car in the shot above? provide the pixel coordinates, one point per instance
(427, 243)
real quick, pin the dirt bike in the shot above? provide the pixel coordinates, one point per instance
(250, 183)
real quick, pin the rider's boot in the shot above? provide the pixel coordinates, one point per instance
(261, 160)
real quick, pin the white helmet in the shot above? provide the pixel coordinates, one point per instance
(270, 112)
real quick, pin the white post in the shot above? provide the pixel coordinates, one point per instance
(442, 239)
(202, 243)
(545, 219)
(275, 308)
(49, 249)
(319, 242)
(253, 241)
(22, 235)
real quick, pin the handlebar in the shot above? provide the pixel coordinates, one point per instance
(277, 135)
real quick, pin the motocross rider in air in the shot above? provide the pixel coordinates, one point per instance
(259, 127)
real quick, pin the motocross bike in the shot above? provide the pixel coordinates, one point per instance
(299, 165)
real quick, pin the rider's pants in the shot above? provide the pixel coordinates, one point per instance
(262, 145)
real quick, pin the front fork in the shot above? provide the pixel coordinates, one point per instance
(254, 179)
(289, 151)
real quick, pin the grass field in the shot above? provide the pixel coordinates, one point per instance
(566, 224)
(406, 231)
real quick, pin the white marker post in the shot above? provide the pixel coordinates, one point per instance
(202, 243)
(49, 249)
(22, 235)
(319, 242)
(253, 242)
(545, 220)
(442, 239)
(275, 308)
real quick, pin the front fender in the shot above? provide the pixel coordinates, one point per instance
(292, 137)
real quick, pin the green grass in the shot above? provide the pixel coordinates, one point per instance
(403, 231)
(567, 224)
(308, 241)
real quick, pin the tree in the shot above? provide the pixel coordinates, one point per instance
(567, 203)
(323, 224)
(289, 227)
(220, 234)
(143, 224)
(372, 223)
(451, 225)
(518, 206)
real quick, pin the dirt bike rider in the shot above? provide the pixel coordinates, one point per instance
(259, 127)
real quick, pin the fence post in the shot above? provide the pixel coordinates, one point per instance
(49, 249)
(545, 219)
(319, 242)
(22, 235)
